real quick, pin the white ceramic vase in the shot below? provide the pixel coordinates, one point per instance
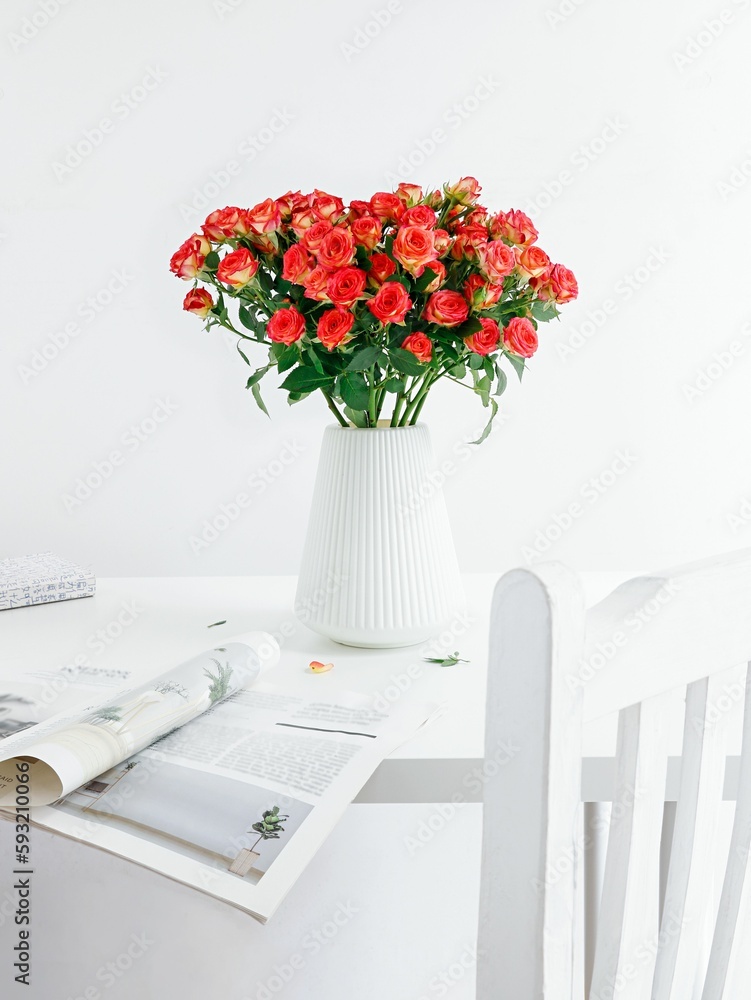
(379, 566)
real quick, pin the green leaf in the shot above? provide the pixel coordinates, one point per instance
(487, 364)
(544, 311)
(354, 390)
(257, 376)
(446, 661)
(364, 359)
(388, 246)
(246, 319)
(517, 363)
(212, 261)
(256, 390)
(489, 425)
(482, 387)
(458, 371)
(314, 358)
(425, 278)
(405, 362)
(287, 358)
(471, 325)
(357, 417)
(395, 385)
(305, 379)
(476, 361)
(502, 381)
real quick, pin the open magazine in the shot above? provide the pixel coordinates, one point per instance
(206, 774)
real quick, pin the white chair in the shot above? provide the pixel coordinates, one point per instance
(553, 670)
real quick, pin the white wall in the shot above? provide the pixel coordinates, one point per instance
(565, 77)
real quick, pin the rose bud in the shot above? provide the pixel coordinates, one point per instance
(514, 226)
(237, 268)
(265, 217)
(302, 220)
(419, 215)
(410, 194)
(442, 241)
(484, 341)
(357, 209)
(562, 283)
(315, 284)
(189, 258)
(326, 206)
(224, 223)
(199, 302)
(334, 326)
(313, 238)
(479, 294)
(532, 262)
(391, 303)
(466, 190)
(290, 201)
(446, 308)
(520, 337)
(419, 345)
(286, 326)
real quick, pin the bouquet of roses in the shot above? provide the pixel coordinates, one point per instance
(374, 302)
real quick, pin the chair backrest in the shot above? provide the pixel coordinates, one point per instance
(554, 667)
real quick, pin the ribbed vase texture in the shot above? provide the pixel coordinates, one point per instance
(379, 567)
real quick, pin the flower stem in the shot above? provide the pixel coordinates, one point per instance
(332, 406)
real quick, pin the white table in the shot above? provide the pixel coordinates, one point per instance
(406, 858)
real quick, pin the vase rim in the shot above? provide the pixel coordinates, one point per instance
(380, 427)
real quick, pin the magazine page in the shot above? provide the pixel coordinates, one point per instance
(73, 746)
(236, 802)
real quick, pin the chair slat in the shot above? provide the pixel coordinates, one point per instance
(684, 926)
(729, 970)
(531, 805)
(628, 930)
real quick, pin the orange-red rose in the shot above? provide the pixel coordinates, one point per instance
(532, 262)
(188, 259)
(334, 326)
(520, 337)
(439, 270)
(469, 242)
(419, 345)
(442, 241)
(419, 215)
(337, 248)
(345, 286)
(290, 202)
(563, 285)
(391, 303)
(315, 284)
(366, 231)
(466, 190)
(414, 247)
(286, 326)
(479, 293)
(326, 206)
(237, 268)
(198, 301)
(514, 226)
(484, 341)
(302, 219)
(226, 222)
(410, 194)
(381, 268)
(298, 264)
(264, 217)
(496, 260)
(446, 308)
(312, 238)
(386, 206)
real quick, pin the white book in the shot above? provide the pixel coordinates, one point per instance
(42, 578)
